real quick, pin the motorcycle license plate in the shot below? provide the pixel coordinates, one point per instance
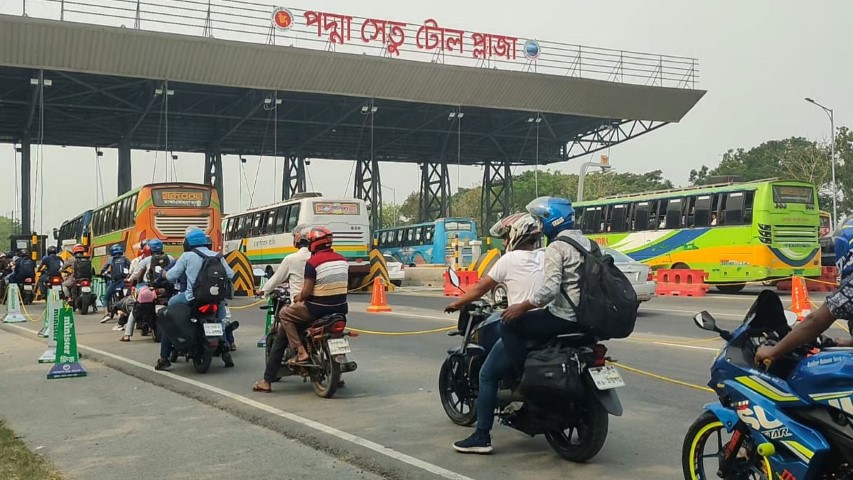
(86, 289)
(28, 288)
(338, 346)
(606, 378)
(213, 329)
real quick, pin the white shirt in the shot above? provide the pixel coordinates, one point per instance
(522, 271)
(291, 270)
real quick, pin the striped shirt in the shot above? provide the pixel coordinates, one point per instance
(330, 272)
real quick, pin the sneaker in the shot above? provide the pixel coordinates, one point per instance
(106, 319)
(226, 357)
(118, 328)
(163, 364)
(478, 442)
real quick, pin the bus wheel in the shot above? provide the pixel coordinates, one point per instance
(730, 288)
(679, 266)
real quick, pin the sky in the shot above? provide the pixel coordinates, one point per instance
(758, 60)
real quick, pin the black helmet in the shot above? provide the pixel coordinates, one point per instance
(51, 250)
(23, 252)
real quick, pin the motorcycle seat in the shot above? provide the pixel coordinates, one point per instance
(328, 320)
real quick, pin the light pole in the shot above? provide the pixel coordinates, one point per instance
(396, 207)
(605, 166)
(537, 119)
(831, 115)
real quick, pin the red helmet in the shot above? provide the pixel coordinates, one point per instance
(319, 238)
(78, 249)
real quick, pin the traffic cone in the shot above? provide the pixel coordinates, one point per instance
(800, 303)
(378, 303)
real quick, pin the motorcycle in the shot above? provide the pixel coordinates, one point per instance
(28, 291)
(789, 419)
(325, 340)
(81, 296)
(148, 303)
(575, 429)
(205, 341)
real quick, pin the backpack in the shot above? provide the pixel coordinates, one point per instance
(552, 375)
(119, 265)
(52, 265)
(212, 282)
(82, 269)
(157, 264)
(176, 322)
(608, 301)
(26, 268)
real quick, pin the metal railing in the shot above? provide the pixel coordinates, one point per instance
(252, 22)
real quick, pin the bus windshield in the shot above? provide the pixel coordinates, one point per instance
(793, 194)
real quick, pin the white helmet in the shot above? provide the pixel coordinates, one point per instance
(517, 229)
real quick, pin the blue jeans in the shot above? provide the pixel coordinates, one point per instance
(496, 366)
(111, 290)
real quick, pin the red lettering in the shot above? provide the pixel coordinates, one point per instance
(339, 25)
(390, 33)
(487, 45)
(432, 37)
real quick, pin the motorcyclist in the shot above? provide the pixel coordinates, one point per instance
(5, 270)
(78, 267)
(148, 277)
(51, 266)
(292, 271)
(838, 305)
(23, 268)
(324, 291)
(143, 251)
(118, 268)
(548, 312)
(191, 263)
(521, 270)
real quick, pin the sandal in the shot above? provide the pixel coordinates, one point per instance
(125, 338)
(258, 388)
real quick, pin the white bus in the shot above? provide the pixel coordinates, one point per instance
(265, 234)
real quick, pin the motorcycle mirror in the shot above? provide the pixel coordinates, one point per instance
(258, 272)
(705, 321)
(791, 318)
(453, 277)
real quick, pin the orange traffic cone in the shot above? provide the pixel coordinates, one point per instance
(378, 303)
(800, 303)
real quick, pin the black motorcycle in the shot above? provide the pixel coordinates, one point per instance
(575, 428)
(325, 340)
(28, 290)
(196, 334)
(82, 298)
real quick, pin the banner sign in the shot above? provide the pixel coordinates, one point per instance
(67, 362)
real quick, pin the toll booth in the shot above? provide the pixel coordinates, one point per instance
(26, 241)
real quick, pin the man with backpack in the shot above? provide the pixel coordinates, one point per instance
(583, 291)
(207, 277)
(24, 268)
(51, 266)
(118, 269)
(151, 269)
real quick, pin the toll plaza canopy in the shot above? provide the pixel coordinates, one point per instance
(227, 77)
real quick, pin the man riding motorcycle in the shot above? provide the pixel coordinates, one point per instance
(118, 268)
(149, 274)
(553, 303)
(51, 266)
(24, 267)
(521, 270)
(190, 264)
(292, 271)
(5, 270)
(838, 305)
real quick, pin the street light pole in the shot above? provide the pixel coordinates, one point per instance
(831, 115)
(605, 166)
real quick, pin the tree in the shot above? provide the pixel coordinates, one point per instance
(8, 227)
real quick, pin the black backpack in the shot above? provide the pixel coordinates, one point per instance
(119, 265)
(608, 302)
(52, 265)
(82, 269)
(161, 261)
(176, 322)
(26, 268)
(212, 282)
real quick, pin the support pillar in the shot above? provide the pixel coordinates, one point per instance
(125, 180)
(368, 187)
(26, 195)
(293, 180)
(213, 172)
(435, 191)
(497, 192)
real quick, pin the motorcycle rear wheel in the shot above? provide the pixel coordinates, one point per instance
(84, 304)
(202, 358)
(326, 382)
(452, 397)
(697, 464)
(583, 441)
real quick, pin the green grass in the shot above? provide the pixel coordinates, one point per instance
(18, 463)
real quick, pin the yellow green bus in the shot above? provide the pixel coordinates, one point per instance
(735, 232)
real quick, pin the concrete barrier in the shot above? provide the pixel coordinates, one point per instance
(425, 276)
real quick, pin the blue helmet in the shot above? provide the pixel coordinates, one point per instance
(843, 237)
(556, 214)
(156, 245)
(196, 238)
(116, 250)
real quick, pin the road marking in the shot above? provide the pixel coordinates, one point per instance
(693, 347)
(691, 313)
(362, 442)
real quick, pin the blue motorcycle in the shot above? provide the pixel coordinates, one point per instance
(790, 420)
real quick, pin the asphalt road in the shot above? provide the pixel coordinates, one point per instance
(390, 412)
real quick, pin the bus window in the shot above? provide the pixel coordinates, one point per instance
(617, 219)
(748, 200)
(418, 234)
(292, 217)
(733, 213)
(579, 218)
(641, 217)
(674, 213)
(595, 220)
(658, 220)
(271, 218)
(429, 233)
(245, 225)
(398, 238)
(702, 212)
(280, 219)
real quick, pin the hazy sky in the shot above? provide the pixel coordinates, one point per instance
(758, 59)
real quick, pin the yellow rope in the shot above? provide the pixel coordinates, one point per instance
(416, 332)
(241, 307)
(663, 378)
